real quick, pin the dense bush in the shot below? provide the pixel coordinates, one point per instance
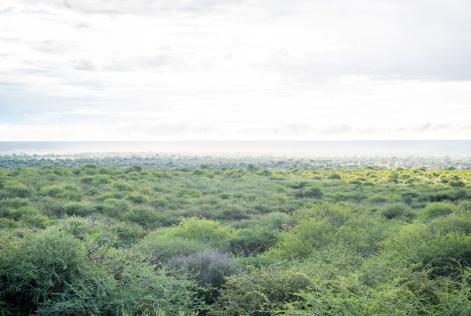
(12, 190)
(436, 209)
(208, 267)
(335, 214)
(442, 254)
(52, 273)
(249, 242)
(310, 192)
(396, 211)
(145, 216)
(260, 291)
(228, 240)
(208, 232)
(159, 247)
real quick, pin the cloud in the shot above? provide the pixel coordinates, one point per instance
(141, 7)
(51, 47)
(386, 40)
(9, 39)
(237, 68)
(84, 65)
(144, 62)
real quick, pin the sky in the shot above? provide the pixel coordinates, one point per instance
(235, 69)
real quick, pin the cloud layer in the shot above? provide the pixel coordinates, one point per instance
(234, 69)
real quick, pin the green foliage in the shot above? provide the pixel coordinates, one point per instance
(442, 254)
(303, 239)
(310, 192)
(159, 247)
(436, 209)
(259, 291)
(52, 272)
(92, 239)
(249, 242)
(334, 176)
(206, 231)
(396, 211)
(34, 268)
(208, 267)
(335, 214)
(79, 208)
(12, 190)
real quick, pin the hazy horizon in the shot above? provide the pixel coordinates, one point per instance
(312, 149)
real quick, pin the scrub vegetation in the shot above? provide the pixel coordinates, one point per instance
(104, 240)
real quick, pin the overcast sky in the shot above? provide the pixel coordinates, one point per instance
(235, 69)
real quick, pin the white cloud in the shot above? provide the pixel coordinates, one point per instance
(235, 69)
(139, 7)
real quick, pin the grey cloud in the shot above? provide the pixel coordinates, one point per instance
(166, 128)
(90, 84)
(81, 25)
(431, 127)
(446, 63)
(7, 10)
(33, 71)
(416, 40)
(150, 62)
(51, 47)
(303, 129)
(9, 39)
(84, 65)
(300, 129)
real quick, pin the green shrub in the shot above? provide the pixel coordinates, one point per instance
(115, 208)
(396, 211)
(233, 215)
(276, 220)
(14, 190)
(126, 234)
(208, 268)
(37, 267)
(249, 242)
(53, 273)
(144, 216)
(79, 208)
(159, 247)
(14, 203)
(53, 191)
(334, 176)
(122, 186)
(442, 254)
(260, 291)
(456, 182)
(206, 231)
(298, 184)
(137, 198)
(335, 214)
(310, 192)
(454, 223)
(436, 209)
(302, 240)
(377, 199)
